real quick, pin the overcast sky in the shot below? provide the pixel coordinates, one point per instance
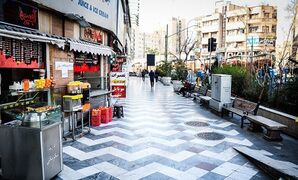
(156, 13)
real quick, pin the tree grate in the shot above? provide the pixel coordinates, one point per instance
(210, 136)
(196, 124)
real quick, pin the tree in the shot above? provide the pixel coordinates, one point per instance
(188, 46)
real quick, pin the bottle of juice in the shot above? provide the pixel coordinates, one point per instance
(26, 84)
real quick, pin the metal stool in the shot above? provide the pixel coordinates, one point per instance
(118, 111)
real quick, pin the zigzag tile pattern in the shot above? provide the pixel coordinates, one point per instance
(153, 142)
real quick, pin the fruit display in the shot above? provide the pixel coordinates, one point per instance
(44, 83)
(40, 83)
(74, 87)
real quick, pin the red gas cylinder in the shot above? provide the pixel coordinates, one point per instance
(96, 117)
(105, 115)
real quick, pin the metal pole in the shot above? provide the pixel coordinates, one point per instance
(210, 61)
(251, 54)
(179, 40)
(166, 45)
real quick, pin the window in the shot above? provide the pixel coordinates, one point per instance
(266, 15)
(274, 15)
(253, 16)
(253, 29)
(205, 35)
(239, 44)
(214, 34)
(265, 29)
(241, 31)
(273, 29)
(205, 46)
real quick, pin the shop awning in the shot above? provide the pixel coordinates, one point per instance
(86, 47)
(23, 33)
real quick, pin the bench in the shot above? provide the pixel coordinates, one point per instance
(273, 128)
(204, 100)
(241, 107)
(201, 92)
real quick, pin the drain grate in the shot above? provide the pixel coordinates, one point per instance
(196, 124)
(210, 136)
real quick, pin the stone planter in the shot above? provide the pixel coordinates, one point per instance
(177, 85)
(166, 81)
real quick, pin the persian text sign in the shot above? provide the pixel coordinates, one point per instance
(118, 78)
(119, 91)
(99, 12)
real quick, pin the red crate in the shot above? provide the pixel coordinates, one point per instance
(105, 115)
(95, 120)
(110, 114)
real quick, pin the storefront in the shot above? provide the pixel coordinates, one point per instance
(30, 119)
(91, 65)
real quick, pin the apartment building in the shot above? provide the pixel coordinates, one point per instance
(177, 36)
(236, 28)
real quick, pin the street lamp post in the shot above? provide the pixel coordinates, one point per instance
(166, 45)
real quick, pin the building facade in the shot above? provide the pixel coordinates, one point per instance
(176, 37)
(68, 40)
(240, 32)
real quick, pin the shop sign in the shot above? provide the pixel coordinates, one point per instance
(267, 41)
(21, 14)
(20, 54)
(119, 91)
(92, 35)
(254, 40)
(118, 78)
(101, 13)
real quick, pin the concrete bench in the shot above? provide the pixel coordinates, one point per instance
(273, 128)
(241, 107)
(201, 92)
(204, 100)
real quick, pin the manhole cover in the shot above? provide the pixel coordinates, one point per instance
(210, 136)
(196, 123)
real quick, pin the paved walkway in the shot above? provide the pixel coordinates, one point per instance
(153, 142)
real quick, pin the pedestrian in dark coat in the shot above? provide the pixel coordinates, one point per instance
(156, 76)
(151, 75)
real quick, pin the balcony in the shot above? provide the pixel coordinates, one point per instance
(262, 21)
(262, 35)
(212, 28)
(235, 38)
(235, 25)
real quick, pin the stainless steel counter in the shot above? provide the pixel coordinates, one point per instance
(31, 153)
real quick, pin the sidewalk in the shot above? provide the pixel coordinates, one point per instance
(152, 141)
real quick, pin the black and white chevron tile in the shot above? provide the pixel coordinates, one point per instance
(153, 142)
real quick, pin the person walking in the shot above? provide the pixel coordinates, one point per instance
(156, 76)
(152, 76)
(143, 74)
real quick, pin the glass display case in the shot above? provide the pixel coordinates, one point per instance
(30, 135)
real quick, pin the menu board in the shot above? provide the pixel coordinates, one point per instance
(118, 84)
(20, 54)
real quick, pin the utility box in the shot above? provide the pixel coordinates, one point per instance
(220, 91)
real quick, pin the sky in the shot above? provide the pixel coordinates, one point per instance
(156, 13)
